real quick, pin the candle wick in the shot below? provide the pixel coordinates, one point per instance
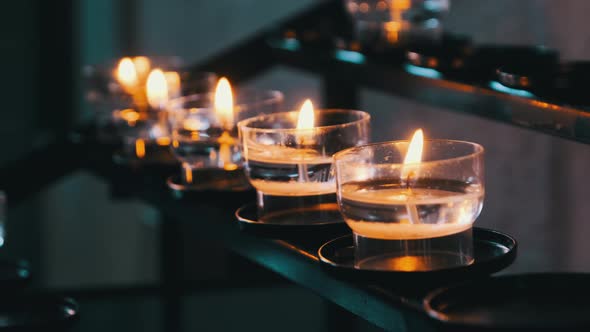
(411, 174)
(413, 215)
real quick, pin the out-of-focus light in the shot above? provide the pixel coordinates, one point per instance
(515, 92)
(423, 72)
(350, 56)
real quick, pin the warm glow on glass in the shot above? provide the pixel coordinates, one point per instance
(130, 115)
(224, 103)
(192, 124)
(306, 120)
(126, 74)
(163, 141)
(157, 89)
(188, 174)
(225, 143)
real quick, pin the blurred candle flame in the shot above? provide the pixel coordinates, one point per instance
(157, 89)
(127, 75)
(224, 103)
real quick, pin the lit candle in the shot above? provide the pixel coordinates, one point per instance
(127, 75)
(289, 161)
(224, 109)
(131, 75)
(268, 144)
(416, 204)
(410, 169)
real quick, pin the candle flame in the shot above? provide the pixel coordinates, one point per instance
(126, 74)
(414, 154)
(224, 103)
(306, 120)
(140, 148)
(413, 157)
(157, 89)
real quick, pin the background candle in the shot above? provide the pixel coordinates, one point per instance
(203, 125)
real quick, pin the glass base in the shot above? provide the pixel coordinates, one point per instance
(298, 210)
(427, 254)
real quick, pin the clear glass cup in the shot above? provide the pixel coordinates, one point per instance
(291, 168)
(415, 217)
(397, 21)
(199, 139)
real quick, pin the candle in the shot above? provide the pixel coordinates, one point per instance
(289, 161)
(131, 75)
(411, 201)
(435, 207)
(224, 109)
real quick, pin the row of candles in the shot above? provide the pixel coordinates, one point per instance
(410, 204)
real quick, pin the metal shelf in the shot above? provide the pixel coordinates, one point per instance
(345, 71)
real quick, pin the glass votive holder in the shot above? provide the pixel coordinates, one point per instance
(397, 21)
(201, 138)
(291, 169)
(412, 217)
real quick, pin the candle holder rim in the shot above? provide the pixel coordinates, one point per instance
(244, 124)
(270, 96)
(479, 150)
